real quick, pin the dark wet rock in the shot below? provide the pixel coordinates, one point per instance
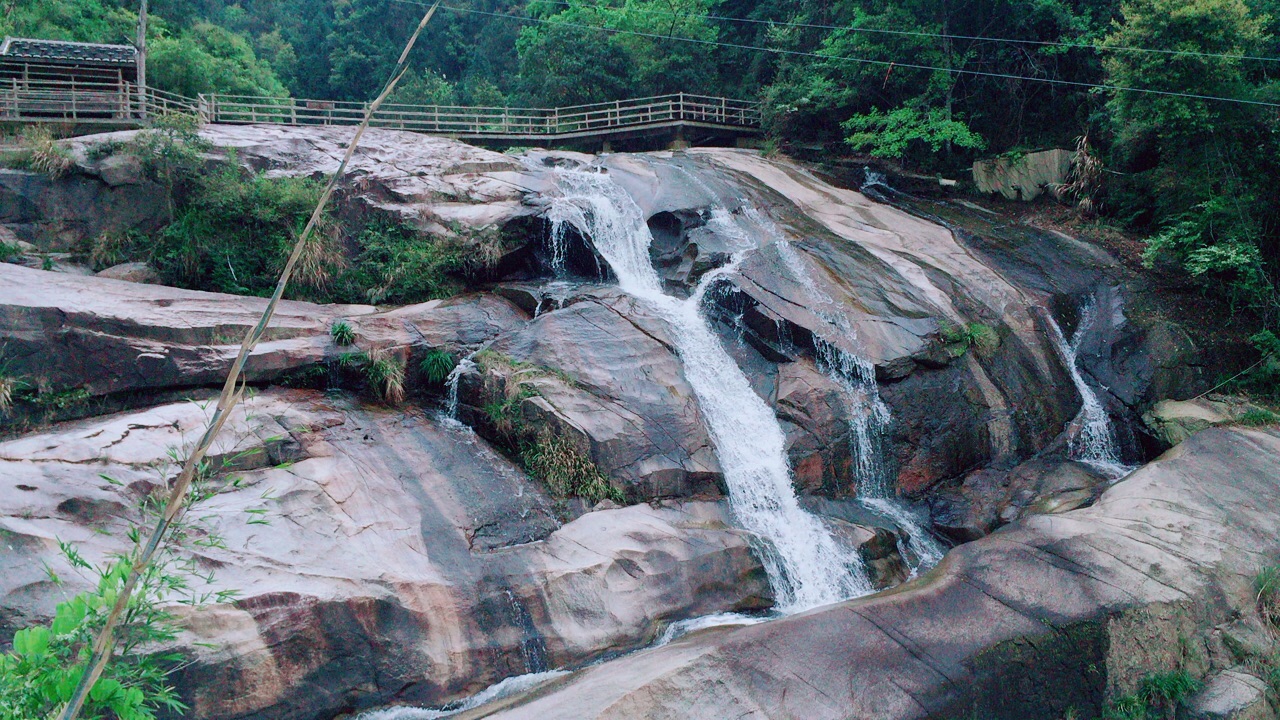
(814, 413)
(1060, 611)
(62, 215)
(990, 497)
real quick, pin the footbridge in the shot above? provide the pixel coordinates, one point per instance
(679, 119)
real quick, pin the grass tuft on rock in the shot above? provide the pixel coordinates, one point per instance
(342, 333)
(1267, 585)
(41, 152)
(959, 338)
(437, 365)
(567, 471)
(544, 452)
(381, 369)
(1259, 417)
(1157, 698)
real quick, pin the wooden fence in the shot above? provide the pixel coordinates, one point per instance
(71, 101)
(109, 103)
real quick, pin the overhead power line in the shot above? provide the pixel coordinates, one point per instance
(943, 36)
(865, 61)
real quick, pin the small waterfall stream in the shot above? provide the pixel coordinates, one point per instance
(807, 566)
(868, 415)
(1094, 444)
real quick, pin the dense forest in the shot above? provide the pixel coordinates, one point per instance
(1172, 103)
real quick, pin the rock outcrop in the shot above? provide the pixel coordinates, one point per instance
(1060, 611)
(1172, 421)
(400, 559)
(408, 562)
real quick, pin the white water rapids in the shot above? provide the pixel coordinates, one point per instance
(1094, 444)
(807, 566)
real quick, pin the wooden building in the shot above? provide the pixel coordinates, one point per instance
(59, 80)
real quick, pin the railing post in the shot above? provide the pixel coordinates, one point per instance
(680, 111)
(202, 109)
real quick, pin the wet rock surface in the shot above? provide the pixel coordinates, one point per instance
(1016, 625)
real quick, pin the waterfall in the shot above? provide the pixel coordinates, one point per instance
(807, 567)
(532, 647)
(868, 415)
(464, 366)
(1094, 444)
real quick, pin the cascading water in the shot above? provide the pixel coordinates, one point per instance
(464, 366)
(868, 415)
(1094, 444)
(807, 567)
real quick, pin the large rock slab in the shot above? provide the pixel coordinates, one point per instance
(1057, 612)
(403, 559)
(104, 336)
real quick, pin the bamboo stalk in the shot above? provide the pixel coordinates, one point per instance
(104, 644)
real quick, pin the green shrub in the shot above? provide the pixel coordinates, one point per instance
(436, 365)
(104, 149)
(567, 471)
(58, 400)
(342, 333)
(234, 233)
(114, 246)
(959, 338)
(398, 265)
(8, 252)
(46, 662)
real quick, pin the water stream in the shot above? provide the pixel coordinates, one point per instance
(1094, 443)
(807, 567)
(868, 415)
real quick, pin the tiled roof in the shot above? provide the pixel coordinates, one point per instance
(62, 51)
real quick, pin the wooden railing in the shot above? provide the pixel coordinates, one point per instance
(485, 121)
(80, 102)
(85, 102)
